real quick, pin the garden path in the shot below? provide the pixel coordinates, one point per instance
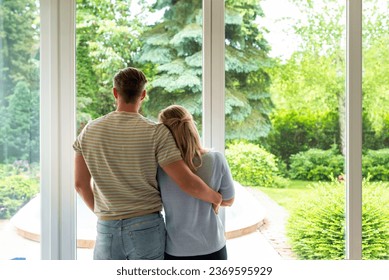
(273, 228)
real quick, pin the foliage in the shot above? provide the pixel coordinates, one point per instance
(316, 165)
(312, 80)
(316, 226)
(295, 131)
(15, 192)
(174, 46)
(22, 125)
(375, 82)
(19, 80)
(324, 165)
(375, 165)
(373, 139)
(252, 166)
(108, 37)
(19, 38)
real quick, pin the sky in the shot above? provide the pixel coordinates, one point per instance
(283, 43)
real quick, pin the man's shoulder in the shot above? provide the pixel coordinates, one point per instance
(98, 120)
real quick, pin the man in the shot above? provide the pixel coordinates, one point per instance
(116, 163)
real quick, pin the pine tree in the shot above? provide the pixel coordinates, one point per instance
(173, 46)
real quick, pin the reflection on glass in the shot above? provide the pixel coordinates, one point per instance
(375, 153)
(285, 118)
(162, 38)
(19, 130)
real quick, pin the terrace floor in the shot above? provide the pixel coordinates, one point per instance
(254, 225)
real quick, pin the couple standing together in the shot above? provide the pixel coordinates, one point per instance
(127, 166)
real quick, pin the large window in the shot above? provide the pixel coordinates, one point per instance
(375, 116)
(286, 116)
(184, 67)
(163, 40)
(19, 130)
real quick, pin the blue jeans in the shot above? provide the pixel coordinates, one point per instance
(139, 238)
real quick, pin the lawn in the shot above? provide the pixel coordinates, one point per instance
(290, 195)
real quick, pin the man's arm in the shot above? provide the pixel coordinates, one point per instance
(83, 181)
(191, 183)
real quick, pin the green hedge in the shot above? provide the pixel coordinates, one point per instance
(252, 166)
(316, 226)
(375, 165)
(324, 165)
(15, 192)
(316, 165)
(295, 131)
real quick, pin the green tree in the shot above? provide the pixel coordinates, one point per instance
(19, 39)
(375, 82)
(108, 36)
(19, 67)
(173, 46)
(313, 79)
(23, 123)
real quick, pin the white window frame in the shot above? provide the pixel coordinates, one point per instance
(58, 230)
(213, 75)
(57, 128)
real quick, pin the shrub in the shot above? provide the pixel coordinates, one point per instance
(373, 139)
(316, 165)
(296, 131)
(252, 166)
(375, 165)
(316, 226)
(15, 192)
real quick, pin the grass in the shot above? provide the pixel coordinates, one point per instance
(290, 195)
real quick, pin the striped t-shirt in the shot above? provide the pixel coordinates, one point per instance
(122, 151)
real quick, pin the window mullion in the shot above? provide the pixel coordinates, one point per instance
(57, 124)
(213, 75)
(354, 131)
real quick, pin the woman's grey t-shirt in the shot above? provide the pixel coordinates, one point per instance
(192, 226)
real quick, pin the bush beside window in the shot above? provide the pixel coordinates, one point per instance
(316, 226)
(253, 166)
(15, 192)
(324, 165)
(375, 165)
(316, 165)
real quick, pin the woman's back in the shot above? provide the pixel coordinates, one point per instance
(192, 226)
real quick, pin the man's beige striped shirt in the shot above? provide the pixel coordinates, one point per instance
(122, 151)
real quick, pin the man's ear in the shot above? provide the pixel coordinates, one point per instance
(144, 93)
(115, 93)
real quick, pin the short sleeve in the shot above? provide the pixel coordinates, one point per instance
(77, 146)
(165, 147)
(77, 143)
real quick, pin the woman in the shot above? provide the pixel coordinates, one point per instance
(194, 230)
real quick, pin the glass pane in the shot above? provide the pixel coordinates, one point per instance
(375, 153)
(285, 121)
(162, 38)
(19, 130)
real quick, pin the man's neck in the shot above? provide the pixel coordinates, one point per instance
(130, 108)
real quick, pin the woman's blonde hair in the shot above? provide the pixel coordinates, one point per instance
(181, 124)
